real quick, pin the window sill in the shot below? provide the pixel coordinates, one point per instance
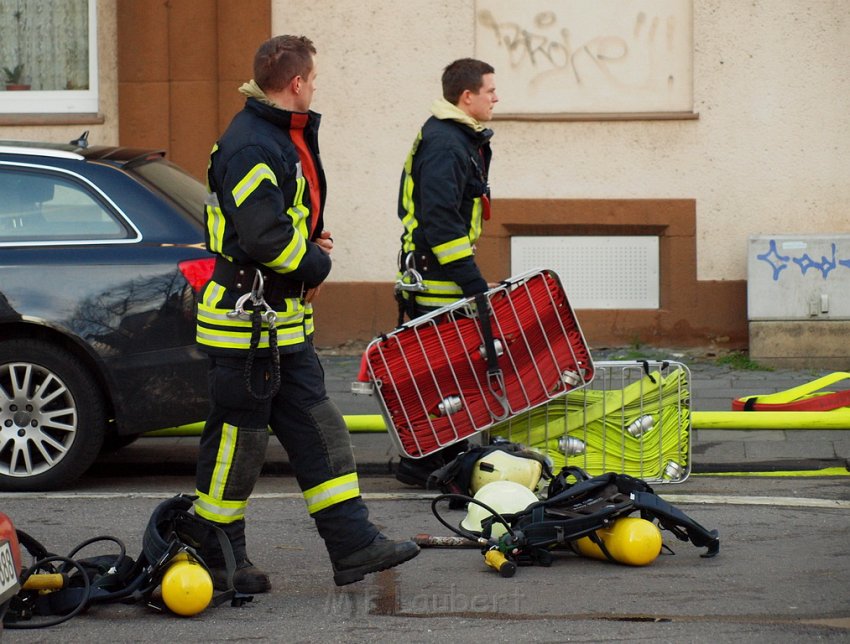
(52, 119)
(600, 116)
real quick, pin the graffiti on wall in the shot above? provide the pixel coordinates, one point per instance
(575, 56)
(804, 261)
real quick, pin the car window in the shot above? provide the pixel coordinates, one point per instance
(37, 207)
(177, 184)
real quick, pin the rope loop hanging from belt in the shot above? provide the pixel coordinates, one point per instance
(261, 311)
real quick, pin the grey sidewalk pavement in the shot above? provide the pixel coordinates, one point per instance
(713, 387)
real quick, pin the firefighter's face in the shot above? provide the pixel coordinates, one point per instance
(481, 103)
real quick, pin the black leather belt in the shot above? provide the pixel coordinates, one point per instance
(240, 277)
(422, 262)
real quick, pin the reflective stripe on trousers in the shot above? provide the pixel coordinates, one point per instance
(311, 430)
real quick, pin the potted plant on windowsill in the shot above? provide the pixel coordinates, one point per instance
(14, 78)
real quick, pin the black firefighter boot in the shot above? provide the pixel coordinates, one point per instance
(247, 578)
(381, 554)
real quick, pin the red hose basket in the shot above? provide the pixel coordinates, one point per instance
(443, 377)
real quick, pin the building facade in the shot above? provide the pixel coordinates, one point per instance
(639, 144)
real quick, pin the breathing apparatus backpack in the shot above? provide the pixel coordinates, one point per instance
(469, 471)
(57, 588)
(577, 506)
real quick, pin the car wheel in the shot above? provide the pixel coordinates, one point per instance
(52, 418)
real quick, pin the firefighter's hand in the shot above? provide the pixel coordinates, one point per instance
(325, 241)
(312, 293)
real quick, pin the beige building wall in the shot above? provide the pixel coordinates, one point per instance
(765, 151)
(768, 152)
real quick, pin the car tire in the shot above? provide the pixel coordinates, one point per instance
(52, 417)
(113, 442)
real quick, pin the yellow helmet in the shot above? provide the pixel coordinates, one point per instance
(629, 540)
(505, 497)
(187, 588)
(500, 465)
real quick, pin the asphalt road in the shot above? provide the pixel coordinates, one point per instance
(781, 575)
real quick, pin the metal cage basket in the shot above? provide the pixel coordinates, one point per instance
(634, 418)
(453, 373)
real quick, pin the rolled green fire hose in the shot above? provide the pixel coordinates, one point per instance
(356, 423)
(638, 430)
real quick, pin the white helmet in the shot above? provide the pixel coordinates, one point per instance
(505, 497)
(500, 465)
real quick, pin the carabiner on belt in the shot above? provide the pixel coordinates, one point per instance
(255, 295)
(411, 279)
(261, 312)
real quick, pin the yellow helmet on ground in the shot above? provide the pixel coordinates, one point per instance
(505, 497)
(500, 465)
(187, 588)
(629, 540)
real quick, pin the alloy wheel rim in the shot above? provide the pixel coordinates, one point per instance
(38, 419)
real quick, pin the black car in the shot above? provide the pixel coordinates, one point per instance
(101, 257)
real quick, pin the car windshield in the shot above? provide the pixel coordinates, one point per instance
(175, 183)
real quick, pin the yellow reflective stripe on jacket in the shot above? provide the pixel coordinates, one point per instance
(441, 287)
(209, 164)
(332, 492)
(250, 181)
(475, 223)
(409, 220)
(220, 317)
(215, 328)
(212, 294)
(308, 319)
(242, 340)
(438, 294)
(453, 250)
(219, 510)
(228, 339)
(433, 302)
(215, 221)
(211, 311)
(215, 224)
(299, 212)
(290, 258)
(410, 224)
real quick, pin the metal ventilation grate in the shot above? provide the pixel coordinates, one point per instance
(597, 272)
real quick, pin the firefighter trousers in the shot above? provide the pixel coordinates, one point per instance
(309, 427)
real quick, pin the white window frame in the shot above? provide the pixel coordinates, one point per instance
(83, 101)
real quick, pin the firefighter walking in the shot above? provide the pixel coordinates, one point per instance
(443, 201)
(264, 221)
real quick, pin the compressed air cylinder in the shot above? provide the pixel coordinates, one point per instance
(630, 540)
(187, 588)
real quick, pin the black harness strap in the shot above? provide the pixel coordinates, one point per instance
(495, 378)
(677, 522)
(582, 508)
